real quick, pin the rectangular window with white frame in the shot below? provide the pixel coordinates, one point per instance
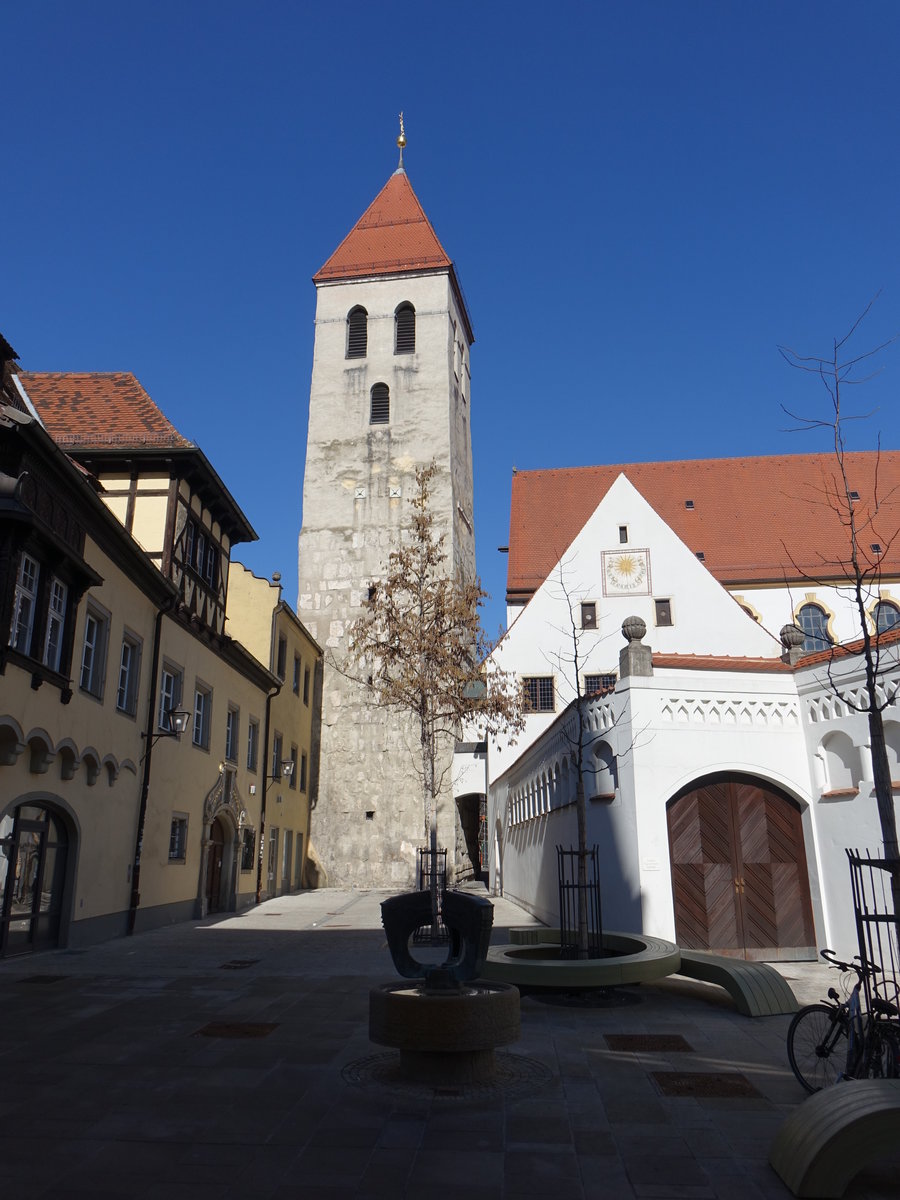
(171, 685)
(232, 721)
(56, 622)
(129, 674)
(24, 604)
(93, 652)
(202, 716)
(252, 744)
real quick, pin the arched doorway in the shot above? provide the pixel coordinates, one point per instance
(739, 878)
(34, 848)
(214, 862)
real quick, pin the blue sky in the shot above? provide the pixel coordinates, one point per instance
(642, 199)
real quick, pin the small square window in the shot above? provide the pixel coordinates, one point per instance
(701, 556)
(663, 612)
(623, 534)
(854, 495)
(589, 615)
(876, 548)
(688, 504)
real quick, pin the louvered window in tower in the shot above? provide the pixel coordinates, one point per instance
(405, 329)
(380, 411)
(357, 333)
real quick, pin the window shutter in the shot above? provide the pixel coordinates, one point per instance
(380, 412)
(357, 333)
(405, 330)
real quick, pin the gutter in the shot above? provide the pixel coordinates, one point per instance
(145, 782)
(270, 696)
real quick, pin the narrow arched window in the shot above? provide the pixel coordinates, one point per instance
(380, 405)
(404, 329)
(357, 332)
(887, 615)
(813, 620)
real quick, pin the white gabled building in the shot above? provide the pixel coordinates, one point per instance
(724, 779)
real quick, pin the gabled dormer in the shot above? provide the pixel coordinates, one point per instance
(161, 486)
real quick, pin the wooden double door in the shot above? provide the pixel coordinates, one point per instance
(739, 876)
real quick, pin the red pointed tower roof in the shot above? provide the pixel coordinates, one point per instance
(392, 236)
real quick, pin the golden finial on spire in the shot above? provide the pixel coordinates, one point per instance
(401, 142)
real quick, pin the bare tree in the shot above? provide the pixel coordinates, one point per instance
(421, 649)
(860, 568)
(570, 663)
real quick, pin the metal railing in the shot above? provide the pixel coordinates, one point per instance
(876, 921)
(574, 897)
(428, 864)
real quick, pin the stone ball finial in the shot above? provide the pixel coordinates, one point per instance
(634, 628)
(791, 636)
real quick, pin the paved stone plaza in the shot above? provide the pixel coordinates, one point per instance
(109, 1090)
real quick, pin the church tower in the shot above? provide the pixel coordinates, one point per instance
(390, 392)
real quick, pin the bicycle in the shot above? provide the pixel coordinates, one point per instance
(836, 1039)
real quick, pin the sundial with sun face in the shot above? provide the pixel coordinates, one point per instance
(626, 572)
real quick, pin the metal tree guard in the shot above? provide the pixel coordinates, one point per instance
(569, 890)
(876, 921)
(428, 862)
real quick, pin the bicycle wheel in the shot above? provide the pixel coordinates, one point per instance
(883, 1058)
(817, 1046)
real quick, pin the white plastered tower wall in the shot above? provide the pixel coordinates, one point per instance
(359, 479)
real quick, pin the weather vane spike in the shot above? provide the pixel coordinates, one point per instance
(401, 142)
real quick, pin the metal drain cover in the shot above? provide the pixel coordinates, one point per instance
(236, 1029)
(715, 1085)
(649, 1043)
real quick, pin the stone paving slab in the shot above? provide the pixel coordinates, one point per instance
(109, 1091)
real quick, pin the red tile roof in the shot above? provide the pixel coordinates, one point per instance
(392, 236)
(718, 662)
(753, 519)
(99, 410)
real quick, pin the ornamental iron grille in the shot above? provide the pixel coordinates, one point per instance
(570, 892)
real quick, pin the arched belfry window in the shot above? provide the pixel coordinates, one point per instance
(357, 332)
(404, 329)
(813, 620)
(380, 410)
(887, 615)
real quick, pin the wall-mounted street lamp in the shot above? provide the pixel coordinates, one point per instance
(177, 719)
(284, 769)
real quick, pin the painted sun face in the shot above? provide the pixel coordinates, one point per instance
(626, 572)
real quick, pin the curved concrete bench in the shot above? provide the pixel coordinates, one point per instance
(835, 1134)
(756, 988)
(530, 962)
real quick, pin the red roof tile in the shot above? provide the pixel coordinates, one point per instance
(718, 662)
(392, 236)
(99, 410)
(753, 519)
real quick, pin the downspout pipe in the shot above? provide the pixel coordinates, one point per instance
(145, 780)
(265, 787)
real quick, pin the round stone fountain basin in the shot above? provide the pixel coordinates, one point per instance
(533, 960)
(445, 1036)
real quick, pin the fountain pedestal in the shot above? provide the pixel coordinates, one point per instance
(445, 1026)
